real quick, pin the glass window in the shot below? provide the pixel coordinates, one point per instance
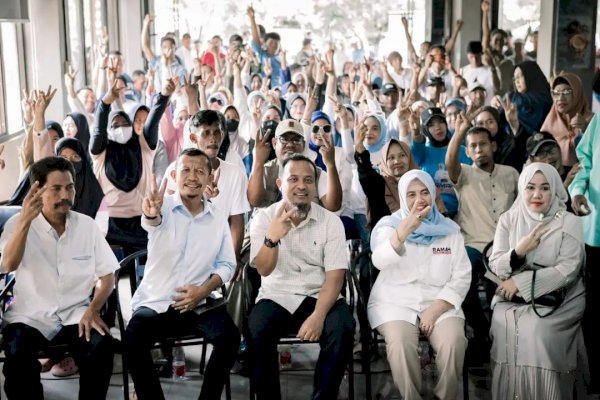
(521, 17)
(11, 77)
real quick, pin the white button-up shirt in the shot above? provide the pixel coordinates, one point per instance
(183, 250)
(409, 283)
(57, 274)
(315, 246)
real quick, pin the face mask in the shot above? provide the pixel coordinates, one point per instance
(78, 165)
(121, 134)
(232, 125)
(269, 124)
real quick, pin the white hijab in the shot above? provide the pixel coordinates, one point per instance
(557, 220)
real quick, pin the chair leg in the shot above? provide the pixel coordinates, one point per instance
(351, 378)
(228, 388)
(203, 358)
(125, 378)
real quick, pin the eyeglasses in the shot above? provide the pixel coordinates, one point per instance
(215, 100)
(559, 93)
(317, 128)
(296, 141)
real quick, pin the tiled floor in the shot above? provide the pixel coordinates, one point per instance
(295, 385)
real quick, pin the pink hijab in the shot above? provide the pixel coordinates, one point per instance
(558, 125)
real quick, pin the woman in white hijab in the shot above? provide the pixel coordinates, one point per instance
(425, 275)
(536, 357)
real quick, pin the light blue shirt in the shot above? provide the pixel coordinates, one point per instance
(183, 250)
(275, 63)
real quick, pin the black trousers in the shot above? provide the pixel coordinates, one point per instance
(269, 321)
(147, 327)
(23, 344)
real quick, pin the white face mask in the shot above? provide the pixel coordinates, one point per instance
(121, 134)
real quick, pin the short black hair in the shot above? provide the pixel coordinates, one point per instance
(167, 38)
(300, 157)
(208, 117)
(192, 152)
(272, 35)
(499, 31)
(186, 36)
(438, 46)
(40, 170)
(477, 130)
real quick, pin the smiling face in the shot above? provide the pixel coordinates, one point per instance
(287, 144)
(297, 109)
(373, 131)
(86, 96)
(537, 194)
(298, 184)
(562, 94)
(324, 128)
(192, 176)
(397, 160)
(418, 192)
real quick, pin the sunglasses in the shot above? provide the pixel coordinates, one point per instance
(325, 128)
(218, 101)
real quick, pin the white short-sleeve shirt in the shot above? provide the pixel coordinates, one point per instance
(57, 274)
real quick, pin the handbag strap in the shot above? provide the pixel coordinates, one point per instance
(533, 299)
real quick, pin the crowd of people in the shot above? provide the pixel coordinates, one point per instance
(421, 166)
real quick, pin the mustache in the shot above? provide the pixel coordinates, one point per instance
(64, 203)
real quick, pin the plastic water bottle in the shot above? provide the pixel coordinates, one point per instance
(344, 392)
(285, 358)
(178, 364)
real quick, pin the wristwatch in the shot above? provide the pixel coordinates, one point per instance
(271, 244)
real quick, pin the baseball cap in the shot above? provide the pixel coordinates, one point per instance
(475, 86)
(289, 126)
(537, 140)
(430, 113)
(389, 87)
(435, 81)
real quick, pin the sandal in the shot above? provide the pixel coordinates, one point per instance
(46, 363)
(66, 367)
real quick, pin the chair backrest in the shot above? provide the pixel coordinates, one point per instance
(5, 213)
(485, 255)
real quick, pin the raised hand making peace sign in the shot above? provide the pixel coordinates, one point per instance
(33, 204)
(153, 202)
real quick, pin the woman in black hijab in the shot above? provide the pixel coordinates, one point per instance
(76, 126)
(122, 149)
(88, 193)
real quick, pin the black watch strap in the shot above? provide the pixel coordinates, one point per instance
(271, 244)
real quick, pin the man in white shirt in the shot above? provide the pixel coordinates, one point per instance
(229, 185)
(190, 254)
(58, 257)
(298, 248)
(184, 52)
(475, 71)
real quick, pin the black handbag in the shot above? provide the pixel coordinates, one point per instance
(553, 299)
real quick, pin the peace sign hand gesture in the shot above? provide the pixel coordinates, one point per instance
(531, 241)
(153, 202)
(511, 112)
(282, 222)
(413, 221)
(359, 137)
(212, 190)
(327, 150)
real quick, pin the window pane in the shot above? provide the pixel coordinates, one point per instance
(12, 83)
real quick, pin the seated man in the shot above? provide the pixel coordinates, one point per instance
(190, 254)
(298, 248)
(59, 257)
(289, 140)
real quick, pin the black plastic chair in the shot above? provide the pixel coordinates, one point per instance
(188, 340)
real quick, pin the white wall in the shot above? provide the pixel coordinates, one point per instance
(44, 57)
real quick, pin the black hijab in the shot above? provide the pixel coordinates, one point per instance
(123, 163)
(83, 129)
(88, 193)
